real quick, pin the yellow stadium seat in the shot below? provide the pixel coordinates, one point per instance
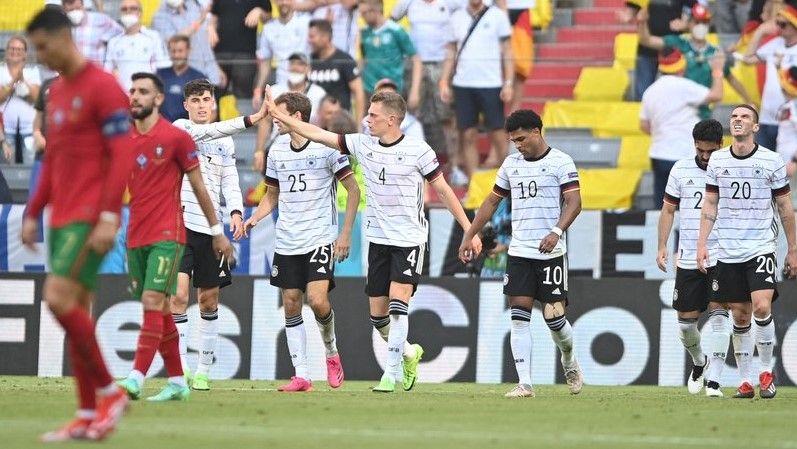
(149, 8)
(481, 184)
(601, 84)
(542, 14)
(608, 188)
(625, 45)
(15, 14)
(227, 108)
(634, 152)
(606, 119)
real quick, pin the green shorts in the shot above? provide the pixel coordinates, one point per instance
(154, 267)
(70, 257)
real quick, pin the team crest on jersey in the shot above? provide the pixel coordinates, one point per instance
(275, 271)
(159, 151)
(715, 285)
(141, 160)
(400, 157)
(311, 161)
(58, 117)
(77, 103)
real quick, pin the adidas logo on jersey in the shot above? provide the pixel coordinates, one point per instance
(407, 272)
(515, 172)
(282, 166)
(690, 183)
(726, 172)
(556, 291)
(321, 270)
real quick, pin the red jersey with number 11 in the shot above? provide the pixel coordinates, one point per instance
(162, 155)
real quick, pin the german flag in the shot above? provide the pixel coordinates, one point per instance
(523, 45)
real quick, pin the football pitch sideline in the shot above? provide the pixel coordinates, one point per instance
(252, 414)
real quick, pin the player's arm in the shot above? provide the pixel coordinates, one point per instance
(343, 243)
(306, 130)
(452, 203)
(483, 215)
(786, 212)
(30, 224)
(212, 131)
(571, 193)
(666, 219)
(708, 215)
(220, 242)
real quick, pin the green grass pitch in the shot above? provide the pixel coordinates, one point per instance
(249, 414)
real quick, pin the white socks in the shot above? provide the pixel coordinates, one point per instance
(562, 335)
(743, 351)
(382, 325)
(326, 326)
(208, 334)
(690, 338)
(297, 345)
(718, 345)
(765, 341)
(181, 322)
(520, 342)
(397, 338)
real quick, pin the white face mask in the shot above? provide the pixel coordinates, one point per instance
(76, 16)
(128, 20)
(296, 78)
(699, 31)
(174, 3)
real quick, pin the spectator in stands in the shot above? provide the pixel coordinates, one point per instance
(344, 17)
(483, 74)
(665, 17)
(731, 15)
(91, 5)
(92, 31)
(669, 112)
(139, 49)
(410, 126)
(430, 31)
(327, 110)
(787, 117)
(777, 53)
(386, 47)
(333, 69)
(280, 38)
(189, 18)
(697, 50)
(232, 33)
(39, 132)
(19, 87)
(297, 81)
(8, 153)
(175, 77)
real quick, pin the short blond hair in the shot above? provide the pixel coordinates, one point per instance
(392, 102)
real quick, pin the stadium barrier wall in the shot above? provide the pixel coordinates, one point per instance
(625, 332)
(600, 244)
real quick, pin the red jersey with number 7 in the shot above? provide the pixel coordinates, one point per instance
(89, 150)
(162, 155)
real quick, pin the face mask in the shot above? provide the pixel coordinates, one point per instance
(296, 78)
(700, 31)
(128, 20)
(174, 3)
(76, 16)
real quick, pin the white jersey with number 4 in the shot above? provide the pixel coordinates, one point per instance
(394, 178)
(685, 189)
(747, 185)
(308, 214)
(535, 187)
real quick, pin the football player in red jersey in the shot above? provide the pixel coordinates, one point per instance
(83, 179)
(156, 234)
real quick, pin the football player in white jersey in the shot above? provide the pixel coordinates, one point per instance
(395, 167)
(684, 192)
(741, 185)
(538, 180)
(302, 178)
(217, 162)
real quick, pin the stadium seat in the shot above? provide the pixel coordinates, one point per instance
(644, 194)
(481, 184)
(608, 188)
(625, 45)
(606, 119)
(589, 151)
(634, 152)
(601, 84)
(14, 15)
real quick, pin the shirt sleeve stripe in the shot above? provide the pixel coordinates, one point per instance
(434, 174)
(272, 182)
(711, 188)
(568, 186)
(669, 199)
(503, 193)
(344, 172)
(781, 191)
(342, 144)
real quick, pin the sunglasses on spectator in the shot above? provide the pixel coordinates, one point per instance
(129, 9)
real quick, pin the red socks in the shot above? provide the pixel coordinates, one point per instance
(87, 359)
(86, 389)
(148, 340)
(170, 347)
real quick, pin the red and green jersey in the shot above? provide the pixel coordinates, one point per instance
(162, 155)
(89, 150)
